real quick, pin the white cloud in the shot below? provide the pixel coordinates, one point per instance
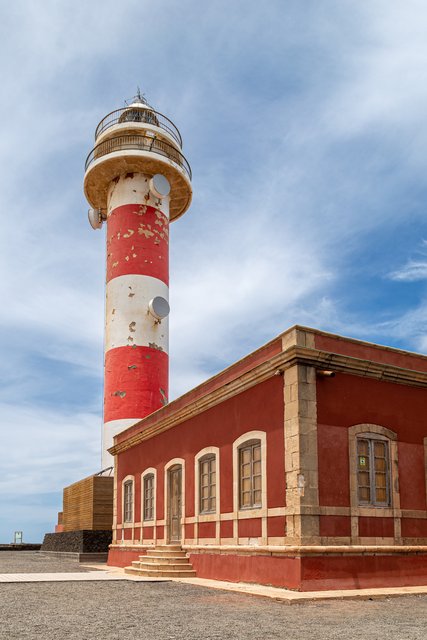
(412, 271)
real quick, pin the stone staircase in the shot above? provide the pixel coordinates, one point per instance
(163, 561)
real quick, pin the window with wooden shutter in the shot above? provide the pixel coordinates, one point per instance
(207, 479)
(373, 472)
(149, 497)
(250, 489)
(128, 501)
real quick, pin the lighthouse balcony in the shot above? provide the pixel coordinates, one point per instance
(139, 115)
(145, 143)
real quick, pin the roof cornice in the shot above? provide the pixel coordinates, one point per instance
(295, 355)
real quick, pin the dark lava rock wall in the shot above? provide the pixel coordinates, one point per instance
(84, 541)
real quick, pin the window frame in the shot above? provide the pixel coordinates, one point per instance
(211, 459)
(371, 439)
(251, 445)
(128, 506)
(255, 512)
(356, 510)
(148, 513)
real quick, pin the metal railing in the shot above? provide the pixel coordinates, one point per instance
(139, 143)
(139, 114)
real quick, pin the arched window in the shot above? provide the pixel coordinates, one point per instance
(207, 484)
(128, 501)
(250, 475)
(148, 497)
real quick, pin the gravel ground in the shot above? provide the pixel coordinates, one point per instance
(172, 610)
(35, 562)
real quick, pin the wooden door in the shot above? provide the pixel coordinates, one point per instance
(174, 504)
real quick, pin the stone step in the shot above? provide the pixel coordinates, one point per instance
(161, 566)
(174, 553)
(164, 559)
(168, 547)
(170, 573)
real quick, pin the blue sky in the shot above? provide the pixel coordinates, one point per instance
(305, 126)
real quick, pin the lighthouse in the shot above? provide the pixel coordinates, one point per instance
(136, 180)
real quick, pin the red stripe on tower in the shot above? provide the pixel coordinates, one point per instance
(137, 242)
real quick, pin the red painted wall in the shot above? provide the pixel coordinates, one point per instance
(250, 528)
(414, 528)
(148, 532)
(376, 527)
(219, 426)
(226, 529)
(335, 526)
(276, 527)
(207, 529)
(118, 557)
(316, 573)
(246, 568)
(334, 473)
(346, 400)
(412, 474)
(362, 572)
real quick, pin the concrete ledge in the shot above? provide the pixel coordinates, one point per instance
(25, 546)
(75, 555)
(290, 550)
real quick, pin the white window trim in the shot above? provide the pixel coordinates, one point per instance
(199, 455)
(150, 471)
(168, 465)
(357, 510)
(131, 523)
(246, 437)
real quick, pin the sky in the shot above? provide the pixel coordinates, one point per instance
(305, 126)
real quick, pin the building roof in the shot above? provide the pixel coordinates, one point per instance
(297, 345)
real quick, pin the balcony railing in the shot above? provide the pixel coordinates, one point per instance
(139, 143)
(139, 114)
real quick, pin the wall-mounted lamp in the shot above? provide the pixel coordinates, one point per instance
(325, 373)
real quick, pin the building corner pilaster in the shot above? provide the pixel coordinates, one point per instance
(301, 461)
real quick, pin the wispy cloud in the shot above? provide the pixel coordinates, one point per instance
(414, 269)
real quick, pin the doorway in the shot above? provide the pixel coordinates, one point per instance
(174, 503)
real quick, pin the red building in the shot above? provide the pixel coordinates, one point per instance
(303, 465)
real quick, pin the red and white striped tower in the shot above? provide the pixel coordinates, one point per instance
(137, 180)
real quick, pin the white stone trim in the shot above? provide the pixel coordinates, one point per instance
(147, 472)
(168, 465)
(131, 524)
(215, 515)
(356, 510)
(259, 512)
(114, 540)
